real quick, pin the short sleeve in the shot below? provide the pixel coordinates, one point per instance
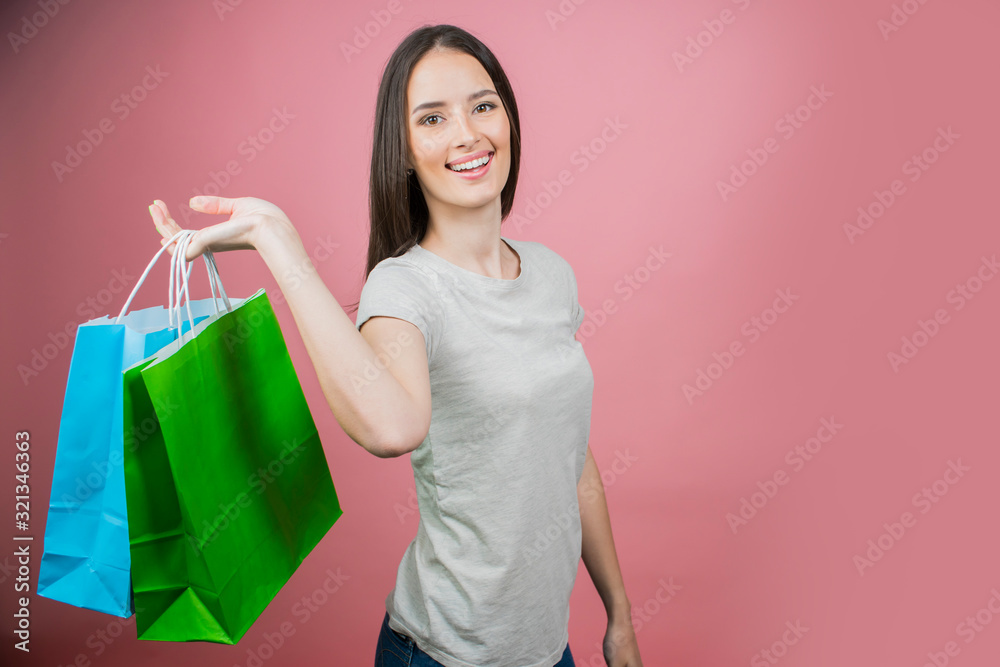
(402, 291)
(577, 309)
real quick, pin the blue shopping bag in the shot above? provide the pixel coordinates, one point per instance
(85, 559)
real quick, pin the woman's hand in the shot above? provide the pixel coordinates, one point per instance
(620, 646)
(241, 232)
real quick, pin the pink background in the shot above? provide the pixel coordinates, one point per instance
(655, 184)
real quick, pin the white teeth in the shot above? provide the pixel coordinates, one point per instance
(471, 165)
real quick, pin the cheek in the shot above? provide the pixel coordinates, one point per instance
(427, 148)
(502, 133)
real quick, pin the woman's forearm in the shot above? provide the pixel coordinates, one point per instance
(598, 549)
(371, 407)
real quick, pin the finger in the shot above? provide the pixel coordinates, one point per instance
(158, 221)
(195, 245)
(160, 210)
(163, 225)
(192, 251)
(165, 219)
(207, 204)
(168, 226)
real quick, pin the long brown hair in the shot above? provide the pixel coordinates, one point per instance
(396, 206)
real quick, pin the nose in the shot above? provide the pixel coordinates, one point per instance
(465, 133)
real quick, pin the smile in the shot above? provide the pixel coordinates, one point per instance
(472, 165)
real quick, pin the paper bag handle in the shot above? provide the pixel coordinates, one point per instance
(213, 279)
(179, 274)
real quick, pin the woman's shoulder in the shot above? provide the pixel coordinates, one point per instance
(540, 254)
(406, 265)
(400, 275)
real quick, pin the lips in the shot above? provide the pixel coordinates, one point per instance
(468, 158)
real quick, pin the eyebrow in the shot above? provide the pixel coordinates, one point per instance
(433, 105)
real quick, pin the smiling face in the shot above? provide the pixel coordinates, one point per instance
(455, 117)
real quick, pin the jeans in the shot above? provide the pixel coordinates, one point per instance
(397, 650)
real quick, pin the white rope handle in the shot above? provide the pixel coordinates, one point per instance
(142, 278)
(180, 274)
(183, 272)
(213, 279)
(172, 292)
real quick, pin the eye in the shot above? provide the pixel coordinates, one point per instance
(424, 121)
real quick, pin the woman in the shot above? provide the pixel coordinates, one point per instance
(509, 493)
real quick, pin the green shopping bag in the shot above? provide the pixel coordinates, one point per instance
(230, 490)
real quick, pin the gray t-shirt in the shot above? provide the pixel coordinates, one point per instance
(486, 581)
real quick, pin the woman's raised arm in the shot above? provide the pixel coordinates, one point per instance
(376, 382)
